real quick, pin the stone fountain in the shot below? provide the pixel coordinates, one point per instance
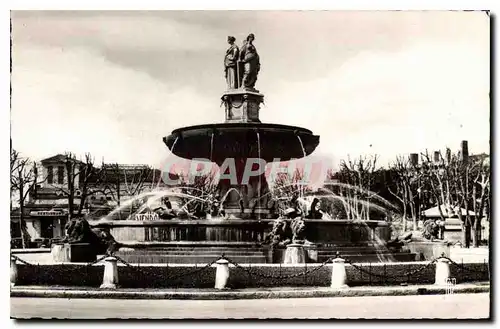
(242, 137)
(242, 233)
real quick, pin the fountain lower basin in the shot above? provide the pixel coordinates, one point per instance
(324, 232)
(197, 241)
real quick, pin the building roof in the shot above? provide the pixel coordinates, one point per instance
(447, 210)
(58, 158)
(125, 166)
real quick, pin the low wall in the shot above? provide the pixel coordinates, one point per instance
(470, 255)
(30, 251)
(35, 255)
(428, 250)
(244, 276)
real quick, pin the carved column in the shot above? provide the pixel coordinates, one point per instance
(242, 105)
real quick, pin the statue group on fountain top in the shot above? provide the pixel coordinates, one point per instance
(241, 66)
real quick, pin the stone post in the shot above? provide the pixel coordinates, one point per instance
(295, 254)
(221, 274)
(339, 276)
(110, 278)
(13, 271)
(442, 271)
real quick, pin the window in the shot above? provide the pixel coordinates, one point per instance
(60, 175)
(50, 175)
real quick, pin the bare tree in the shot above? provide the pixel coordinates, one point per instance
(112, 182)
(122, 181)
(407, 182)
(288, 187)
(23, 180)
(480, 195)
(82, 178)
(358, 175)
(436, 177)
(460, 186)
(202, 186)
(135, 181)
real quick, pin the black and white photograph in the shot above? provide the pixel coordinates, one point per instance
(250, 164)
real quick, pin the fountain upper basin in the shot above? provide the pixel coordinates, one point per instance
(217, 142)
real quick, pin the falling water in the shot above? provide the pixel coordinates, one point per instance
(354, 188)
(227, 193)
(350, 204)
(189, 188)
(301, 191)
(162, 194)
(259, 188)
(129, 202)
(151, 198)
(302, 145)
(171, 150)
(382, 252)
(211, 146)
(336, 197)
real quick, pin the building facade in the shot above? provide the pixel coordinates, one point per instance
(47, 210)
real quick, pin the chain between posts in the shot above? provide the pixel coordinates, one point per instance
(97, 260)
(411, 273)
(142, 269)
(461, 266)
(270, 276)
(385, 276)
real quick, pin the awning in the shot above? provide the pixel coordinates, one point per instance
(447, 210)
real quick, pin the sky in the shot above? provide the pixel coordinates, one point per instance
(367, 82)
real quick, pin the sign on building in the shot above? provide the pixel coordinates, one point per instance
(147, 216)
(48, 213)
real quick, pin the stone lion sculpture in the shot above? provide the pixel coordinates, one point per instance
(286, 231)
(430, 230)
(279, 233)
(78, 230)
(298, 227)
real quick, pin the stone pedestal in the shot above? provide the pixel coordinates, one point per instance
(428, 250)
(312, 253)
(242, 105)
(295, 254)
(73, 252)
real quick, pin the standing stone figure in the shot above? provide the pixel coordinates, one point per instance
(251, 63)
(230, 64)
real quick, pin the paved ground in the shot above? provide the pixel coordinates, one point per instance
(428, 306)
(247, 293)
